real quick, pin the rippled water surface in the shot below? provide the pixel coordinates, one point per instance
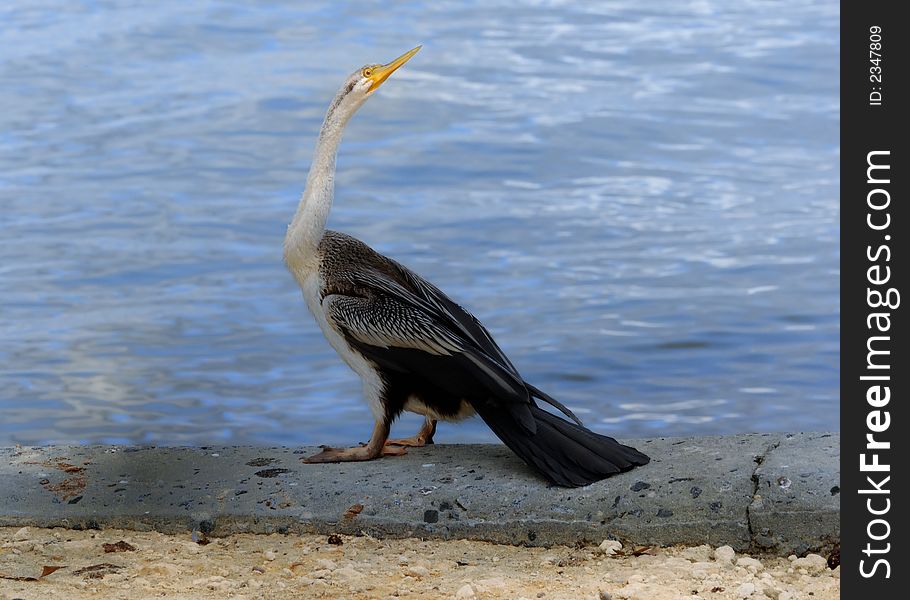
(639, 199)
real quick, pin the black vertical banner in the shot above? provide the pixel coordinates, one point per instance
(874, 372)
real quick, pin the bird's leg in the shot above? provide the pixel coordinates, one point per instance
(374, 449)
(423, 437)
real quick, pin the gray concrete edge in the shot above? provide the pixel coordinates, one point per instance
(763, 493)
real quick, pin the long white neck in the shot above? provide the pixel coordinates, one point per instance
(308, 225)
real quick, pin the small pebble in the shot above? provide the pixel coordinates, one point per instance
(813, 563)
(348, 573)
(418, 571)
(697, 553)
(745, 590)
(465, 592)
(610, 547)
(749, 563)
(724, 554)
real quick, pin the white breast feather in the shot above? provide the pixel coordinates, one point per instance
(312, 286)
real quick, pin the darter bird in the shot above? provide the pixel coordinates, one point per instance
(414, 348)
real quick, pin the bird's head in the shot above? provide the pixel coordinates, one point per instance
(362, 83)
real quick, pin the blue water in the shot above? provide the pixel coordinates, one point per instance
(640, 200)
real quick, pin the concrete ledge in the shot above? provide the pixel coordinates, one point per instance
(772, 493)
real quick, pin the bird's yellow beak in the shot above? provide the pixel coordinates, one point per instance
(382, 73)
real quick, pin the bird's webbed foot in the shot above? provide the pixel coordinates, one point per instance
(421, 439)
(333, 455)
(374, 449)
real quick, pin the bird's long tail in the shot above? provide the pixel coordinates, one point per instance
(566, 453)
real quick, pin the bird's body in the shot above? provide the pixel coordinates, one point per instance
(342, 288)
(413, 347)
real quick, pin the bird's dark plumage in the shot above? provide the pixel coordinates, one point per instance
(428, 349)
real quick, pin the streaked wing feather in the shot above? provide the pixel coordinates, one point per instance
(382, 321)
(474, 330)
(389, 315)
(464, 320)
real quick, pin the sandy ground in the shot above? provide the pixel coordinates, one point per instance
(152, 565)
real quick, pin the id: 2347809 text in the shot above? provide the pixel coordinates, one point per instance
(875, 70)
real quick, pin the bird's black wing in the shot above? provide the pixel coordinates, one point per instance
(460, 317)
(399, 310)
(474, 329)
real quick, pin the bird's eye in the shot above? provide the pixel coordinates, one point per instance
(367, 71)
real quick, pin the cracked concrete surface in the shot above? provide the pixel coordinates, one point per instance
(775, 493)
(797, 494)
(759, 459)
